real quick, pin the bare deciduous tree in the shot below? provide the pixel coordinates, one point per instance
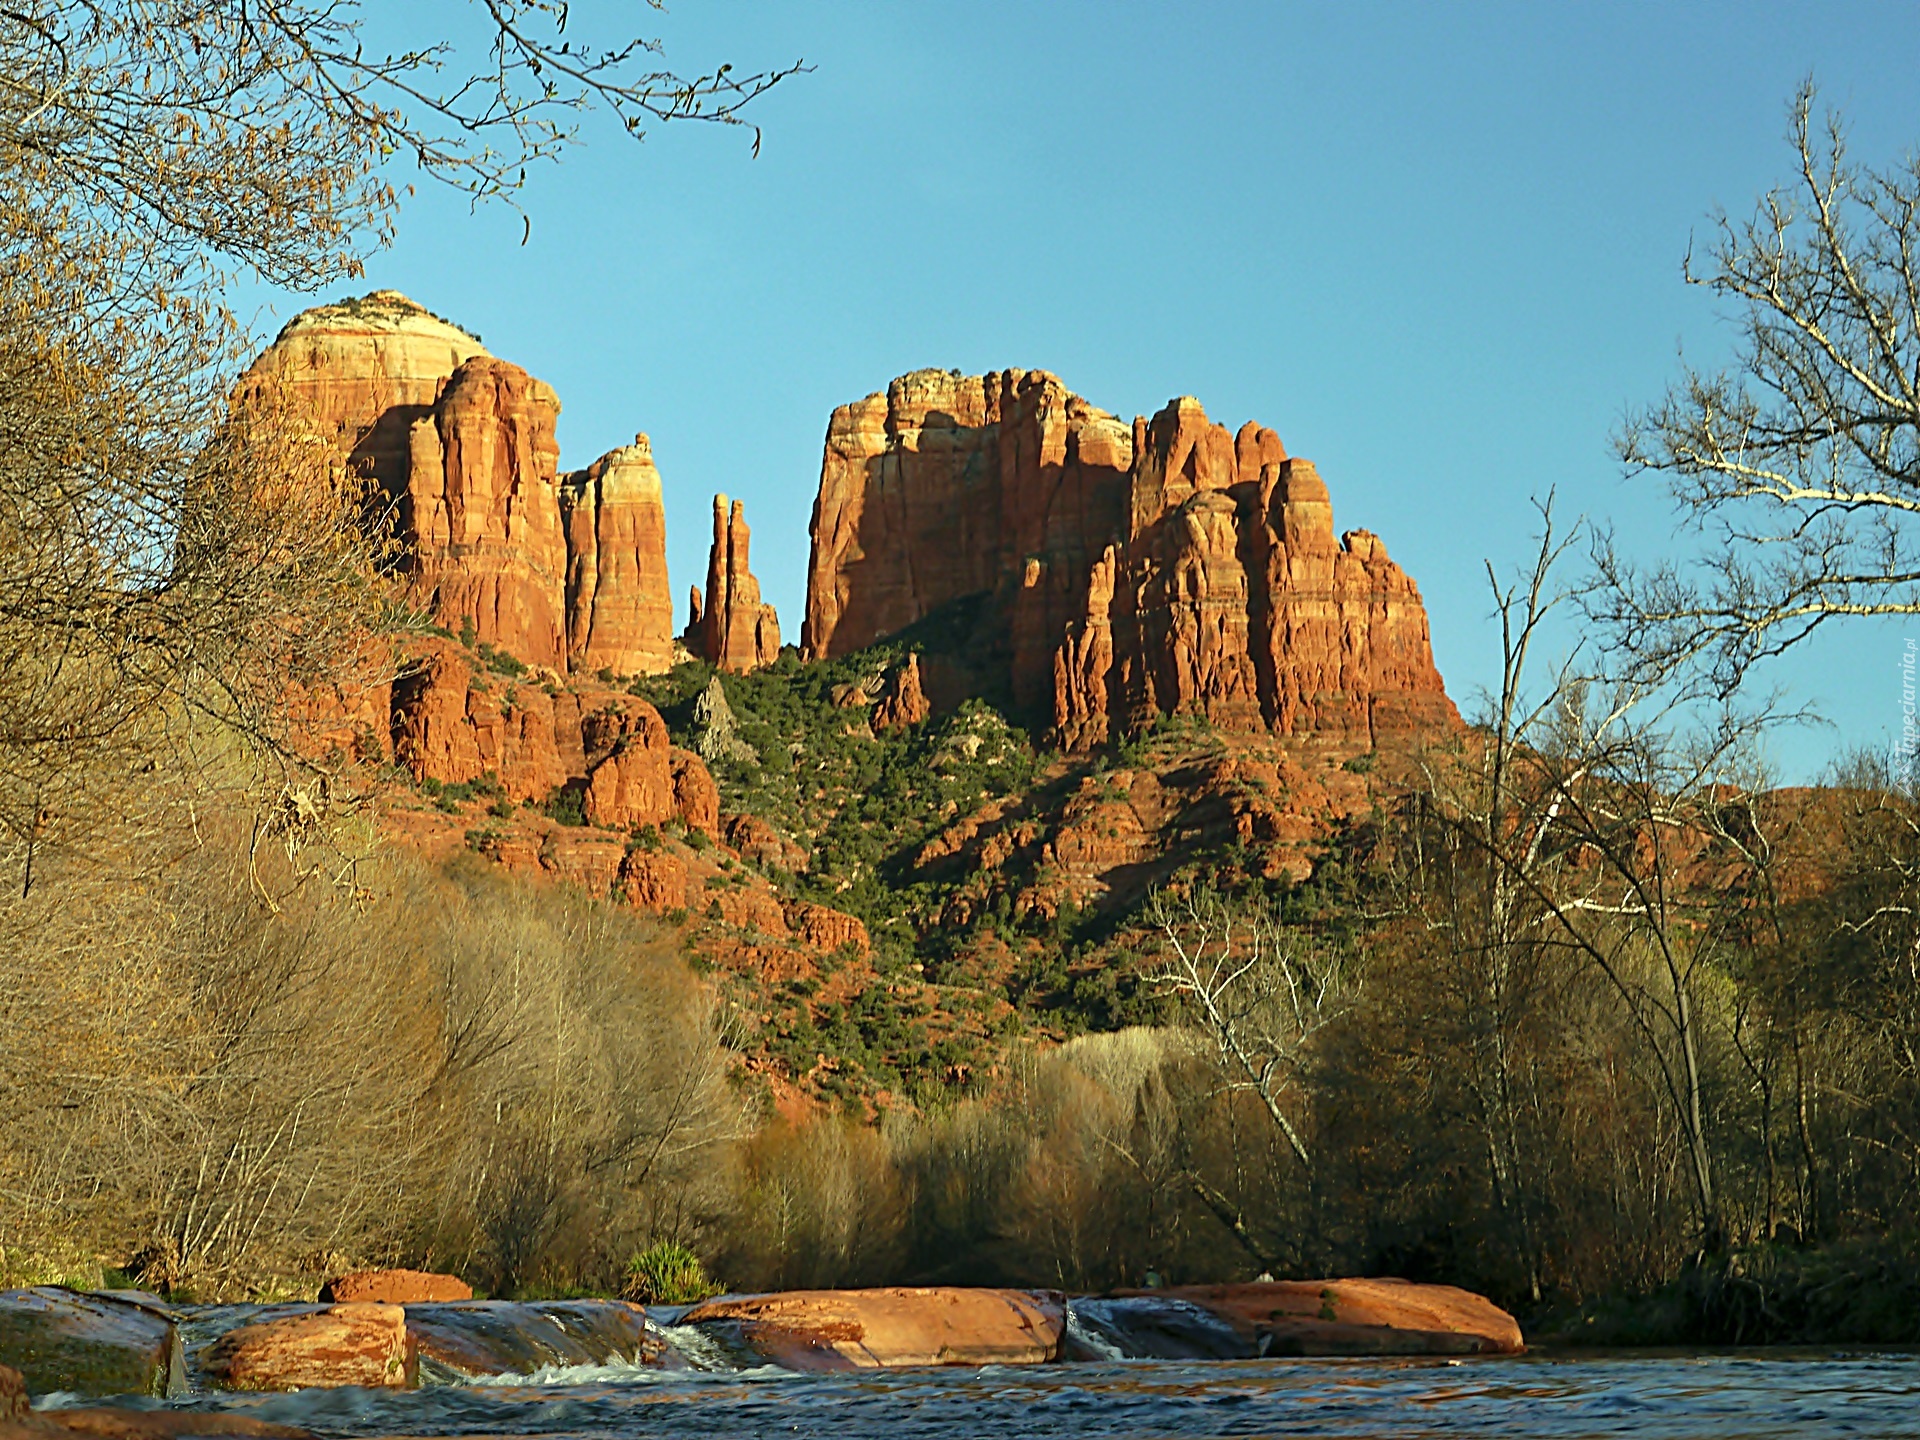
(1259, 992)
(172, 566)
(1799, 467)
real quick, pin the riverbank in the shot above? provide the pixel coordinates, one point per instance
(1854, 1292)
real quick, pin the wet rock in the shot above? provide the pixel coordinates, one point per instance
(394, 1287)
(364, 1344)
(93, 1344)
(113, 1424)
(1332, 1317)
(13, 1395)
(885, 1328)
(1151, 1327)
(499, 1337)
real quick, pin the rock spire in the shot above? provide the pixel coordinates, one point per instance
(619, 605)
(732, 629)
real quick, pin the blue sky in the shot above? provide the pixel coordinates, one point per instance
(1436, 247)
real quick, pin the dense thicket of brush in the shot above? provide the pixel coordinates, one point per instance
(448, 1068)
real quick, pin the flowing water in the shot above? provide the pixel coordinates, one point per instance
(1807, 1395)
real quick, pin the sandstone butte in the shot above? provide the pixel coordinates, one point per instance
(564, 573)
(729, 627)
(1133, 571)
(568, 571)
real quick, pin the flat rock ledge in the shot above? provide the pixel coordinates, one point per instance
(58, 1340)
(1307, 1317)
(888, 1328)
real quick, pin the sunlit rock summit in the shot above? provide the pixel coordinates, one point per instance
(1126, 571)
(565, 571)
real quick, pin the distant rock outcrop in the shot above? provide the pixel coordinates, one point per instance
(453, 726)
(1161, 568)
(363, 371)
(905, 703)
(565, 572)
(714, 728)
(730, 628)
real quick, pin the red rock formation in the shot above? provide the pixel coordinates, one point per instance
(619, 605)
(364, 371)
(883, 1328)
(480, 521)
(344, 1345)
(733, 630)
(1171, 568)
(651, 880)
(394, 1287)
(824, 928)
(452, 724)
(905, 703)
(20, 1421)
(950, 486)
(752, 838)
(1355, 1317)
(521, 1337)
(696, 799)
(629, 766)
(563, 576)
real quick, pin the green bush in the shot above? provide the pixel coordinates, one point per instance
(667, 1273)
(568, 804)
(501, 662)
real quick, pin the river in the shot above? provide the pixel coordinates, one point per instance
(1804, 1394)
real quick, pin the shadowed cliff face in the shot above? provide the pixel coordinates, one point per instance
(563, 571)
(1168, 568)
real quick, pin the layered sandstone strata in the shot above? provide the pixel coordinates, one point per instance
(362, 371)
(1132, 571)
(480, 518)
(895, 1326)
(730, 628)
(569, 573)
(619, 604)
(453, 725)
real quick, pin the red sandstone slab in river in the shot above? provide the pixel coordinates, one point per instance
(1352, 1317)
(890, 1327)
